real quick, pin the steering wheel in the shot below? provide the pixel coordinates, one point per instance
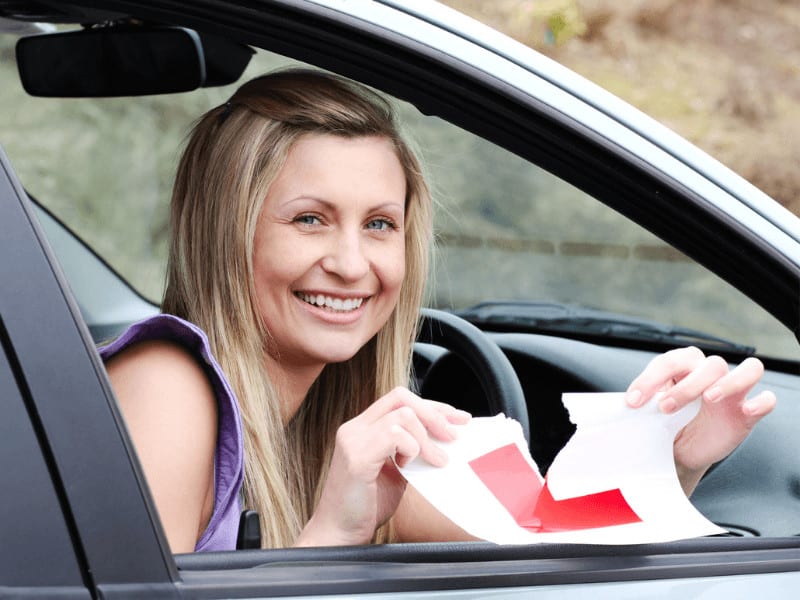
(497, 377)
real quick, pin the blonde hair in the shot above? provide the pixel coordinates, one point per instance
(233, 155)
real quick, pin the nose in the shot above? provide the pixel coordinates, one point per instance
(346, 257)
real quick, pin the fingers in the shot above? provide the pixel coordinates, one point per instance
(705, 376)
(453, 415)
(410, 438)
(401, 425)
(759, 406)
(362, 450)
(736, 383)
(686, 374)
(405, 446)
(664, 371)
(436, 417)
(665, 368)
(712, 381)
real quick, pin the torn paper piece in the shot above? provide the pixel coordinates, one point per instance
(613, 483)
(531, 504)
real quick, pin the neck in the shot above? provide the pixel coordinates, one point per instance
(292, 383)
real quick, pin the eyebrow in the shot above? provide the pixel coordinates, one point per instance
(332, 206)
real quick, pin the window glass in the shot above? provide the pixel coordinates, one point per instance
(506, 229)
(105, 167)
(510, 231)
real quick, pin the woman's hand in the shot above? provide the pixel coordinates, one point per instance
(363, 486)
(726, 414)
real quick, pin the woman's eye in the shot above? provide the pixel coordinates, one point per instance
(380, 224)
(307, 220)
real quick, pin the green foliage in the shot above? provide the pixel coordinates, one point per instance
(543, 22)
(564, 20)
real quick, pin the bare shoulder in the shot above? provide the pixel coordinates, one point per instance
(157, 366)
(170, 410)
(163, 390)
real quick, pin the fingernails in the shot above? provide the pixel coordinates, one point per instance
(713, 394)
(440, 456)
(447, 433)
(667, 405)
(751, 407)
(463, 414)
(633, 398)
(459, 416)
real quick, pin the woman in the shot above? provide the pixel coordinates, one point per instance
(300, 233)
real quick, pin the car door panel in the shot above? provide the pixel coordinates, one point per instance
(94, 472)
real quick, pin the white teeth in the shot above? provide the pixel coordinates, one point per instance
(336, 304)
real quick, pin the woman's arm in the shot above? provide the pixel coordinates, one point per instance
(417, 520)
(171, 413)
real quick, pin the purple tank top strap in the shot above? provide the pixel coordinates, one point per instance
(222, 529)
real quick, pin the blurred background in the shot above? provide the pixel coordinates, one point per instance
(725, 74)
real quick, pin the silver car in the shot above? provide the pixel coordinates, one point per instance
(577, 238)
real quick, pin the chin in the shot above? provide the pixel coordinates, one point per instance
(336, 353)
(339, 356)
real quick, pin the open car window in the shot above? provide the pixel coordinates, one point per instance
(510, 236)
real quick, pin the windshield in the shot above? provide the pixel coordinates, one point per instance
(506, 230)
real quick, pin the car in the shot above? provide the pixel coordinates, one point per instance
(576, 239)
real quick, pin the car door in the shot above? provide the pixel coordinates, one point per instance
(75, 515)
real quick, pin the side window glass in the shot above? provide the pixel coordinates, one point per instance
(510, 231)
(105, 166)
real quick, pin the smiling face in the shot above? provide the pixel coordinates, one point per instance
(329, 249)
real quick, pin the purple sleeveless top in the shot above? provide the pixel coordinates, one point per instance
(223, 526)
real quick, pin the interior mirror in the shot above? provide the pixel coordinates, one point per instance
(126, 61)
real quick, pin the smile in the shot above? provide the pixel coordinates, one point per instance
(331, 303)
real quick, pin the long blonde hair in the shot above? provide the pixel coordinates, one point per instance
(233, 155)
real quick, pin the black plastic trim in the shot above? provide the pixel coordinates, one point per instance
(430, 567)
(49, 459)
(98, 472)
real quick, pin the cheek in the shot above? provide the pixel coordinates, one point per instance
(262, 270)
(278, 257)
(270, 276)
(394, 270)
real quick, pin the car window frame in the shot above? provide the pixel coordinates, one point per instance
(32, 508)
(111, 518)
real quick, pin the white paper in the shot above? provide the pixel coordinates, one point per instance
(615, 448)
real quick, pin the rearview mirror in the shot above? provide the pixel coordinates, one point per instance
(126, 61)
